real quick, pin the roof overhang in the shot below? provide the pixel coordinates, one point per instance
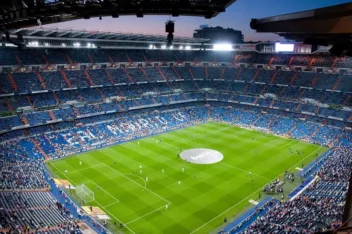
(323, 26)
(27, 13)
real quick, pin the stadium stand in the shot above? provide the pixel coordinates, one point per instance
(318, 208)
(53, 114)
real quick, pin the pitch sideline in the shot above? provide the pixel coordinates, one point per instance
(86, 168)
(96, 201)
(250, 194)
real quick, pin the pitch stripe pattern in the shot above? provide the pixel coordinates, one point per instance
(95, 201)
(117, 200)
(86, 168)
(237, 168)
(249, 195)
(138, 184)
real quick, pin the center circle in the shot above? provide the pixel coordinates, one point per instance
(201, 156)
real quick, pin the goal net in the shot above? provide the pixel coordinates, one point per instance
(84, 193)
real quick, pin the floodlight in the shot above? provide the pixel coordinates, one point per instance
(222, 47)
(284, 47)
(33, 43)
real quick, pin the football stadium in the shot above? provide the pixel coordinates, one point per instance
(135, 181)
(122, 133)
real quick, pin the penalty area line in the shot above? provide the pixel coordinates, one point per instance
(145, 182)
(98, 204)
(151, 212)
(137, 183)
(91, 181)
(112, 204)
(114, 217)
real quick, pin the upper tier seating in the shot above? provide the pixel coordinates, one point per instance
(58, 113)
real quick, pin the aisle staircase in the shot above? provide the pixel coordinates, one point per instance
(39, 148)
(42, 82)
(68, 82)
(52, 116)
(12, 81)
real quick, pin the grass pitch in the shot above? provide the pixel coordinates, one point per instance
(207, 193)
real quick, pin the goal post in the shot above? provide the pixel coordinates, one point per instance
(84, 193)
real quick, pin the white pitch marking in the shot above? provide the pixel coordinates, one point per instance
(260, 189)
(162, 207)
(117, 200)
(86, 168)
(112, 204)
(138, 184)
(145, 182)
(237, 168)
(298, 168)
(289, 143)
(253, 202)
(114, 217)
(95, 201)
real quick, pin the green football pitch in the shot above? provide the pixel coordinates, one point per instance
(207, 193)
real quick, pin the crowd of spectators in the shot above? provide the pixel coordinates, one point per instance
(69, 138)
(68, 104)
(58, 56)
(18, 174)
(108, 107)
(319, 208)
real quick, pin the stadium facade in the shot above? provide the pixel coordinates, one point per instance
(73, 91)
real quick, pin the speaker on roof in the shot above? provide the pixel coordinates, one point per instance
(170, 26)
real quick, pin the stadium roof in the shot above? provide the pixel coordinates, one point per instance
(321, 26)
(27, 13)
(84, 34)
